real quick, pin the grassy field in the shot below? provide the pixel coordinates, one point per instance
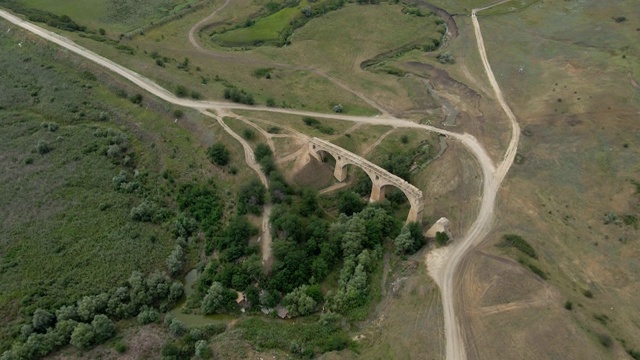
(65, 135)
(571, 194)
(265, 30)
(116, 17)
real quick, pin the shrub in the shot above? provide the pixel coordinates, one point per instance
(218, 154)
(568, 305)
(43, 147)
(404, 139)
(271, 102)
(605, 340)
(511, 240)
(136, 99)
(120, 347)
(587, 293)
(181, 91)
(338, 108)
(42, 320)
(177, 113)
(442, 238)
(248, 134)
(446, 58)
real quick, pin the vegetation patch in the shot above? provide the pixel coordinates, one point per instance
(517, 242)
(277, 26)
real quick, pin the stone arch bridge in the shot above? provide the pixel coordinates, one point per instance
(380, 177)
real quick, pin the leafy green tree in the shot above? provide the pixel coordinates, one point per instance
(251, 198)
(177, 328)
(202, 350)
(67, 312)
(216, 300)
(404, 241)
(148, 316)
(175, 291)
(175, 260)
(219, 154)
(42, 320)
(298, 302)
(350, 203)
(262, 150)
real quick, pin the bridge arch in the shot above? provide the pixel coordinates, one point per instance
(380, 177)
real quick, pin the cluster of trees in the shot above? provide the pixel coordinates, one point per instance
(360, 238)
(251, 198)
(191, 344)
(90, 320)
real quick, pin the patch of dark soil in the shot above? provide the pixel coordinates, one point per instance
(314, 174)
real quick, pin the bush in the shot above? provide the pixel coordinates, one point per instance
(42, 320)
(568, 305)
(446, 58)
(218, 154)
(120, 347)
(271, 102)
(177, 113)
(202, 350)
(350, 203)
(587, 293)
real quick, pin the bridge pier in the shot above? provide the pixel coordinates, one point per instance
(377, 190)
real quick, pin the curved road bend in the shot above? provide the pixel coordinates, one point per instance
(491, 178)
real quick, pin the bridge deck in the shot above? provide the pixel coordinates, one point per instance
(368, 166)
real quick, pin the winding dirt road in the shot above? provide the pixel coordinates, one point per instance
(492, 177)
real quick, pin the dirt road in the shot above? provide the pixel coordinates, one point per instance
(444, 274)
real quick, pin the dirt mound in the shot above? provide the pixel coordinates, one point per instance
(314, 174)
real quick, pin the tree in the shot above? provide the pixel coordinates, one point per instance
(298, 302)
(350, 203)
(177, 328)
(404, 241)
(202, 350)
(262, 150)
(42, 320)
(175, 260)
(215, 301)
(67, 312)
(176, 291)
(251, 198)
(148, 316)
(218, 154)
(103, 328)
(82, 336)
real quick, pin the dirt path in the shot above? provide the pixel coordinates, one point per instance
(491, 178)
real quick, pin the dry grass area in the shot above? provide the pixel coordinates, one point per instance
(576, 99)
